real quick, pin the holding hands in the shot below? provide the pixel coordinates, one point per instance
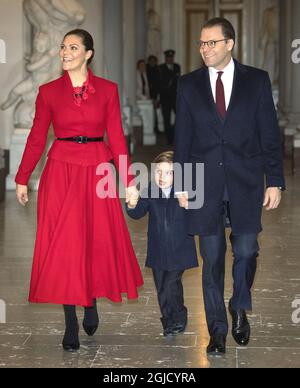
(132, 197)
(183, 200)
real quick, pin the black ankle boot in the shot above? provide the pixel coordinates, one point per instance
(91, 319)
(71, 338)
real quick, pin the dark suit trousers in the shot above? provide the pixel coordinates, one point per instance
(170, 297)
(213, 249)
(169, 106)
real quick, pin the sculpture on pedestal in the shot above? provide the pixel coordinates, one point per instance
(269, 39)
(51, 20)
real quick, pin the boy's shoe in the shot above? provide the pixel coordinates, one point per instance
(169, 332)
(178, 328)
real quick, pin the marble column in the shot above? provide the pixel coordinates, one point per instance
(129, 52)
(295, 70)
(113, 41)
(289, 71)
(141, 29)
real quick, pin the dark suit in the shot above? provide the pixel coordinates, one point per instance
(170, 251)
(154, 80)
(168, 93)
(239, 154)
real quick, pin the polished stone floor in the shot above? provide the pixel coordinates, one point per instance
(130, 334)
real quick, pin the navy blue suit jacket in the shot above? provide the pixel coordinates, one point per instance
(169, 246)
(242, 152)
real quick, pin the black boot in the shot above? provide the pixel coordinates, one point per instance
(91, 319)
(71, 339)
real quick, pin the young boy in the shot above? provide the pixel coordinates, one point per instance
(170, 250)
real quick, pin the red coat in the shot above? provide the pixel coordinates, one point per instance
(55, 103)
(83, 248)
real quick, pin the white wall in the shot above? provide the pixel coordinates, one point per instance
(11, 72)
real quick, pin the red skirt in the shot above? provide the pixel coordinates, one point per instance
(83, 249)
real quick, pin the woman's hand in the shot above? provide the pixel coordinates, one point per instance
(132, 194)
(22, 194)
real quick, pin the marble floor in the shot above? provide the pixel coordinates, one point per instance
(130, 334)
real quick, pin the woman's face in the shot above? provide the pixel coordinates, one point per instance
(73, 53)
(142, 67)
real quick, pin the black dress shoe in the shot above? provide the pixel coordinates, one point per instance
(241, 330)
(70, 341)
(217, 346)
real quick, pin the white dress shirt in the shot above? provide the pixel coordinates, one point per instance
(167, 192)
(227, 79)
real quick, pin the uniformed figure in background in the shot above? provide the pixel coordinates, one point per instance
(169, 75)
(153, 75)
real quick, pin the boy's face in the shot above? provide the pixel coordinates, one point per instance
(164, 175)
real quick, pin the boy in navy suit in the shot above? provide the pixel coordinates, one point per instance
(170, 250)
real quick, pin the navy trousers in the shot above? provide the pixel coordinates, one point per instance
(170, 297)
(213, 250)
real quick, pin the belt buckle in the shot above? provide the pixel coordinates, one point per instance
(82, 140)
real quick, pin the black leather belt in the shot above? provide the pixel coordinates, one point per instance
(82, 139)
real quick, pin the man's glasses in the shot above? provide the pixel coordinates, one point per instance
(210, 44)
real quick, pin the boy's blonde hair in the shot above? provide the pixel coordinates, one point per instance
(165, 157)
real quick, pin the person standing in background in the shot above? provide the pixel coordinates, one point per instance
(153, 78)
(169, 75)
(143, 90)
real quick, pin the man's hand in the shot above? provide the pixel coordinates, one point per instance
(272, 198)
(22, 194)
(183, 200)
(132, 194)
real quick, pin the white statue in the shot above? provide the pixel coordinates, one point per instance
(270, 43)
(154, 32)
(51, 20)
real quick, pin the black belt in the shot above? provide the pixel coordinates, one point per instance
(82, 139)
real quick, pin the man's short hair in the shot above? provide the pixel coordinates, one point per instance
(227, 28)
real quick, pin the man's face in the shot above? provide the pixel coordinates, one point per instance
(169, 60)
(153, 62)
(219, 56)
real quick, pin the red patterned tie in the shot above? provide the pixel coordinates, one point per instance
(220, 96)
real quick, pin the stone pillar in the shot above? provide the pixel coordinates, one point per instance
(141, 29)
(129, 52)
(113, 42)
(289, 71)
(2, 175)
(295, 70)
(94, 23)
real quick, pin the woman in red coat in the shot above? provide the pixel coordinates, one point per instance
(83, 249)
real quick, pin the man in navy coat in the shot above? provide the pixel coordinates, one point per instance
(226, 120)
